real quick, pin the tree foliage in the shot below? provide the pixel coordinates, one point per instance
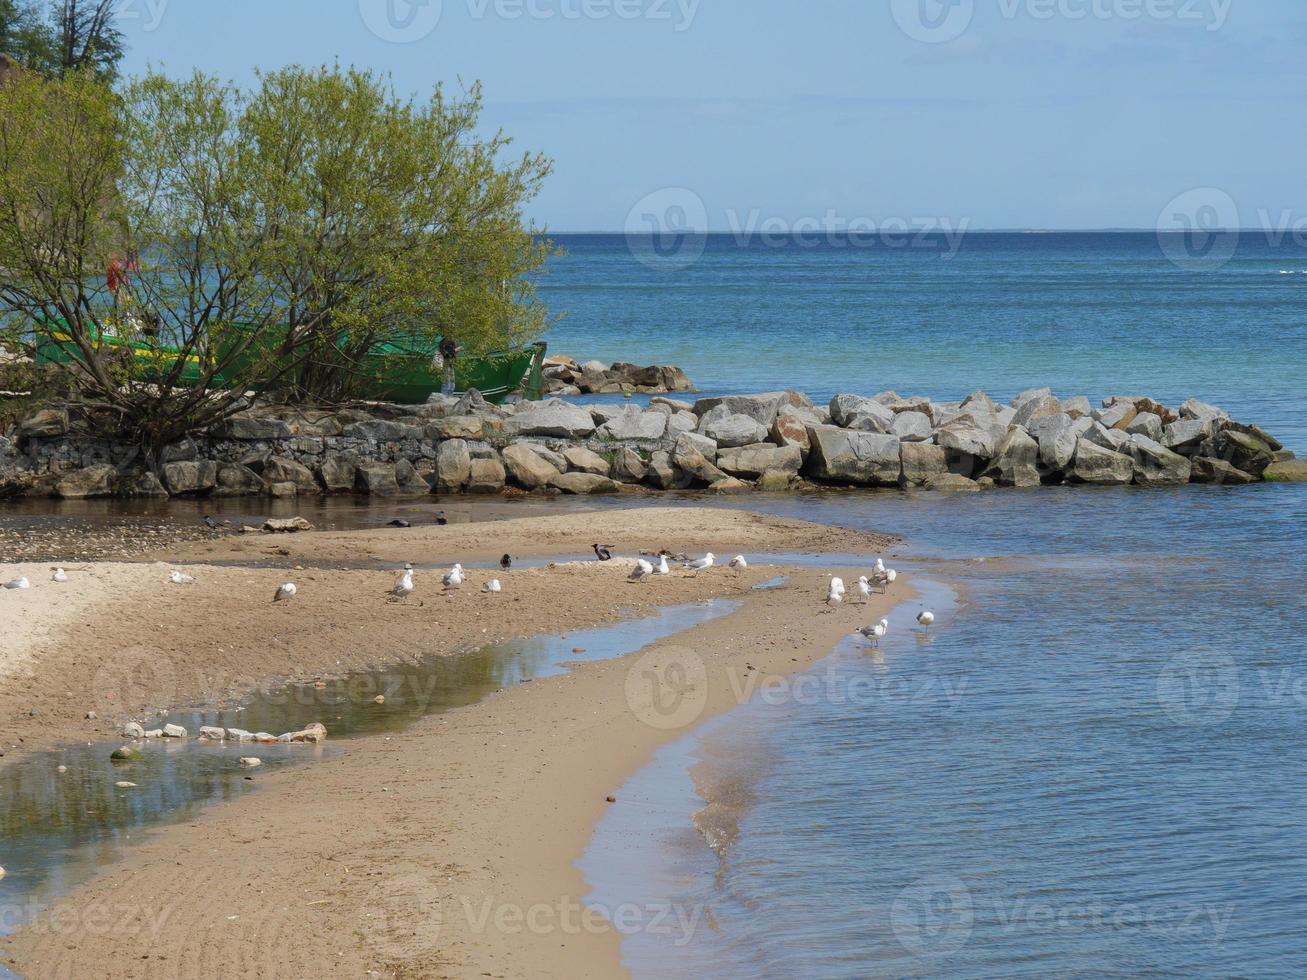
(59, 36)
(182, 244)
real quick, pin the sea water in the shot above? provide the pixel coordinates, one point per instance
(1092, 765)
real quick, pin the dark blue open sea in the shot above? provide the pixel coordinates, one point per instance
(1096, 764)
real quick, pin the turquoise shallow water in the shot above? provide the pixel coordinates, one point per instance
(1086, 313)
(1091, 767)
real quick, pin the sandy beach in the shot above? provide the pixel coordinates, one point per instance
(444, 850)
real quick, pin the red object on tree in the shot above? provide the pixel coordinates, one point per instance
(116, 277)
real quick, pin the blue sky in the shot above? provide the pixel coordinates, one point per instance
(764, 113)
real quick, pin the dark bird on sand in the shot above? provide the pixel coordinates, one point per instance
(506, 562)
(211, 524)
(399, 522)
(441, 519)
(604, 552)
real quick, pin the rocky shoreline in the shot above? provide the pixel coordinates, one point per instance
(771, 441)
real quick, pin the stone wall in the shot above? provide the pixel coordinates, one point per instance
(769, 441)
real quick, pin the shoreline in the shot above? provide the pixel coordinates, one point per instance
(427, 812)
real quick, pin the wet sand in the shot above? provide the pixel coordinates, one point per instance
(447, 850)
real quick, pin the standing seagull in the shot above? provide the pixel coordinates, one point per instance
(603, 552)
(453, 578)
(864, 587)
(661, 568)
(926, 617)
(285, 592)
(876, 631)
(642, 571)
(404, 587)
(880, 566)
(699, 564)
(506, 562)
(59, 575)
(836, 594)
(493, 587)
(739, 564)
(18, 583)
(180, 578)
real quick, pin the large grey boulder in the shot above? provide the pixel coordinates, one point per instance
(279, 469)
(752, 462)
(966, 436)
(583, 483)
(1188, 434)
(409, 479)
(527, 468)
(706, 446)
(681, 422)
(1094, 464)
(463, 427)
(634, 424)
(453, 465)
(693, 463)
(662, 474)
(1101, 435)
(733, 430)
(380, 430)
(791, 430)
(921, 462)
(1016, 460)
(1242, 451)
(1157, 466)
(1035, 407)
(583, 460)
(1077, 406)
(555, 459)
(1028, 396)
(336, 474)
(628, 466)
(1146, 424)
(849, 456)
(93, 481)
(1286, 471)
(762, 408)
(608, 412)
(1057, 436)
(1195, 409)
(912, 426)
(557, 419)
(486, 476)
(857, 412)
(952, 483)
(1209, 470)
(249, 428)
(236, 480)
(49, 423)
(376, 478)
(193, 476)
(1117, 415)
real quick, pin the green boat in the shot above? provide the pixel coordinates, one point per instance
(405, 373)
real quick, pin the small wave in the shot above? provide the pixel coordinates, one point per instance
(1293, 272)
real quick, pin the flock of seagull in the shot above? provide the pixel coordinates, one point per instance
(647, 567)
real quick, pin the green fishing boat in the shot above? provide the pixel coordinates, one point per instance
(406, 373)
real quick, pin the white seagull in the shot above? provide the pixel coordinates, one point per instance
(699, 564)
(880, 566)
(836, 594)
(58, 575)
(662, 568)
(285, 592)
(739, 564)
(18, 583)
(492, 586)
(876, 631)
(864, 588)
(404, 587)
(180, 578)
(641, 571)
(926, 617)
(453, 578)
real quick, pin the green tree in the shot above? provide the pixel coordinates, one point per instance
(397, 223)
(62, 36)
